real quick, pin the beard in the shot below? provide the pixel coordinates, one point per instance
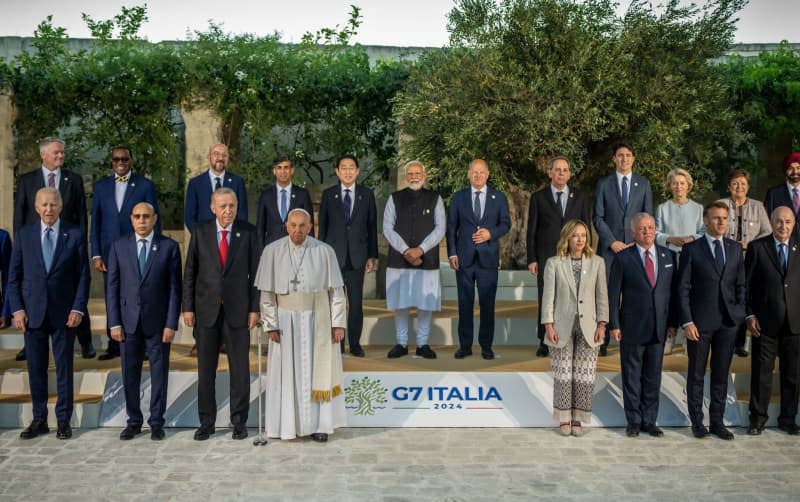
(415, 185)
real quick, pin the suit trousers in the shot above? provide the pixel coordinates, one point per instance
(719, 344)
(237, 345)
(354, 289)
(132, 351)
(786, 346)
(539, 294)
(641, 380)
(113, 345)
(467, 277)
(37, 351)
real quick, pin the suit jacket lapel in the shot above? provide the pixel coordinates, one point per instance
(128, 191)
(151, 255)
(61, 241)
(615, 189)
(706, 250)
(566, 269)
(662, 264)
(234, 246)
(772, 252)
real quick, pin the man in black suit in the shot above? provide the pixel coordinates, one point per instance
(548, 210)
(70, 185)
(640, 296)
(787, 193)
(711, 292)
(276, 202)
(772, 264)
(348, 222)
(220, 302)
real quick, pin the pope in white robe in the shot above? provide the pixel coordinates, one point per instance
(303, 310)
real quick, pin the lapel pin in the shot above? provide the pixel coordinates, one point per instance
(238, 234)
(662, 255)
(293, 196)
(635, 184)
(133, 184)
(336, 196)
(493, 196)
(571, 195)
(66, 178)
(230, 180)
(794, 248)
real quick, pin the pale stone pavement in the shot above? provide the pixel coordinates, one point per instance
(402, 464)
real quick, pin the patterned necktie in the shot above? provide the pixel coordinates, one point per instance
(217, 183)
(48, 248)
(559, 203)
(51, 180)
(719, 259)
(782, 255)
(625, 192)
(348, 203)
(476, 207)
(142, 255)
(223, 248)
(650, 268)
(121, 179)
(796, 200)
(284, 207)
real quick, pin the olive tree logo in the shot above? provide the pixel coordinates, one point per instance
(366, 393)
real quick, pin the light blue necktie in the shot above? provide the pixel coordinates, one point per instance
(283, 204)
(48, 248)
(142, 256)
(782, 255)
(624, 192)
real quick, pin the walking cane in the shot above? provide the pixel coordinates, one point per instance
(261, 439)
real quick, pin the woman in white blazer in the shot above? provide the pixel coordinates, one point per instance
(574, 312)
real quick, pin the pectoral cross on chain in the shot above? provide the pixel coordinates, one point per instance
(294, 282)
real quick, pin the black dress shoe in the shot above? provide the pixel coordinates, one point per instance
(203, 432)
(699, 431)
(487, 354)
(34, 429)
(790, 428)
(754, 430)
(130, 432)
(463, 352)
(320, 437)
(739, 351)
(239, 431)
(603, 351)
(21, 355)
(721, 432)
(653, 430)
(356, 351)
(632, 431)
(107, 355)
(397, 351)
(543, 350)
(64, 430)
(87, 351)
(156, 432)
(426, 351)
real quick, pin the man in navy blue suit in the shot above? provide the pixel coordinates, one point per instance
(143, 298)
(200, 188)
(5, 262)
(787, 193)
(276, 202)
(113, 199)
(617, 198)
(711, 292)
(48, 291)
(640, 290)
(477, 218)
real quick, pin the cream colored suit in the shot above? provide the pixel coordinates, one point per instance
(560, 300)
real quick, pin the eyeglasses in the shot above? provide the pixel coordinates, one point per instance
(120, 159)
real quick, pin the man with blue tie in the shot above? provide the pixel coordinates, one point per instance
(617, 198)
(478, 217)
(113, 200)
(276, 202)
(711, 294)
(48, 291)
(143, 298)
(198, 192)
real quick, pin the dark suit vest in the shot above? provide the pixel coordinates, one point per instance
(414, 220)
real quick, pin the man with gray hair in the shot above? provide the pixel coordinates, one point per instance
(73, 196)
(413, 224)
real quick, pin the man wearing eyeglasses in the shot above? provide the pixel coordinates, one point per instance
(113, 200)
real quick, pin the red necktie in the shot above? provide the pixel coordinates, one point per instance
(223, 248)
(650, 269)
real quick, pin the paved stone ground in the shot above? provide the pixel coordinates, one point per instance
(402, 464)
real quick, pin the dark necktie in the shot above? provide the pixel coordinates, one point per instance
(719, 259)
(558, 203)
(284, 205)
(782, 256)
(142, 255)
(217, 183)
(348, 203)
(650, 268)
(223, 248)
(48, 248)
(476, 207)
(51, 180)
(624, 192)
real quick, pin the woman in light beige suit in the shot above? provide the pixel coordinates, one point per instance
(574, 312)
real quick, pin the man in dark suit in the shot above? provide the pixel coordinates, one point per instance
(200, 188)
(48, 291)
(711, 293)
(640, 296)
(772, 266)
(787, 194)
(548, 210)
(477, 218)
(220, 302)
(143, 299)
(5, 263)
(113, 200)
(276, 202)
(348, 222)
(617, 198)
(73, 197)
